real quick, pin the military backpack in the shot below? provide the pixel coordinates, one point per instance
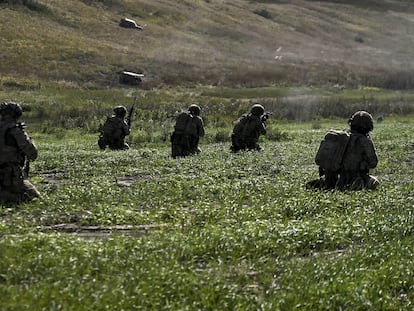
(183, 122)
(332, 149)
(240, 128)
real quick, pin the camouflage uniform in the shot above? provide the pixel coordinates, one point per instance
(16, 146)
(249, 127)
(360, 156)
(188, 129)
(115, 130)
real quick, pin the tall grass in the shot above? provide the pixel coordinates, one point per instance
(51, 108)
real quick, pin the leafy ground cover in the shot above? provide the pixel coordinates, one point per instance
(225, 231)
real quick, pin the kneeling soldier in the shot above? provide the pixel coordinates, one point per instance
(16, 148)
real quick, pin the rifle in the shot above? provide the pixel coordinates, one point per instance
(26, 161)
(266, 116)
(130, 112)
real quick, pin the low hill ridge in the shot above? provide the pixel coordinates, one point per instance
(209, 42)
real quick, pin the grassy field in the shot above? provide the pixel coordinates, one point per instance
(138, 230)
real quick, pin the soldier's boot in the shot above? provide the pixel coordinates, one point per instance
(372, 183)
(357, 184)
(102, 143)
(29, 191)
(315, 184)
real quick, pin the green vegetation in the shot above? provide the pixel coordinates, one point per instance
(138, 230)
(224, 231)
(51, 108)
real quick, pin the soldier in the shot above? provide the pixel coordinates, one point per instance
(16, 148)
(359, 157)
(247, 130)
(188, 129)
(113, 132)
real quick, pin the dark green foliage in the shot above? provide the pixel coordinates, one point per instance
(276, 134)
(402, 80)
(222, 135)
(32, 5)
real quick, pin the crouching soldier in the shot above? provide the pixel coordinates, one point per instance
(356, 157)
(247, 130)
(114, 131)
(16, 148)
(188, 129)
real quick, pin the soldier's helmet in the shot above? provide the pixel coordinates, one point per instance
(362, 121)
(120, 111)
(12, 109)
(257, 110)
(195, 109)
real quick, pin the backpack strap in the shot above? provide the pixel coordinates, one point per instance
(346, 149)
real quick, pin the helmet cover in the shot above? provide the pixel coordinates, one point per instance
(12, 109)
(257, 110)
(120, 111)
(362, 120)
(195, 109)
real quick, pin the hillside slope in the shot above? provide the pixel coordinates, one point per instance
(218, 42)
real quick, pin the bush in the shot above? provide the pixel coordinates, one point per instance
(316, 125)
(275, 134)
(139, 136)
(221, 136)
(400, 80)
(30, 4)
